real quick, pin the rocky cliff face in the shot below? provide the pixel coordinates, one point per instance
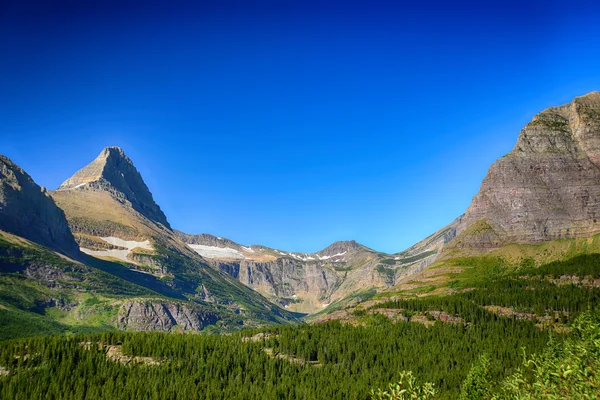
(164, 316)
(28, 211)
(113, 172)
(285, 279)
(308, 282)
(547, 187)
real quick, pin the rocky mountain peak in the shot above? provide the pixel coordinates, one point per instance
(114, 172)
(28, 211)
(547, 187)
(347, 246)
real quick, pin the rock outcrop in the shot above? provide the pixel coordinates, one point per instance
(547, 187)
(113, 172)
(28, 211)
(284, 277)
(163, 316)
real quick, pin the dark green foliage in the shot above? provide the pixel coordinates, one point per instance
(478, 384)
(327, 361)
(567, 369)
(580, 266)
(530, 289)
(534, 295)
(386, 273)
(324, 361)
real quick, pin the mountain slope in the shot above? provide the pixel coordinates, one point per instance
(27, 210)
(547, 187)
(538, 204)
(113, 172)
(309, 282)
(114, 218)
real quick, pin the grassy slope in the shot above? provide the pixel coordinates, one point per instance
(458, 269)
(189, 277)
(42, 292)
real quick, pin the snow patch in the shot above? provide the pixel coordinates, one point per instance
(333, 256)
(247, 249)
(116, 253)
(311, 257)
(216, 252)
(303, 257)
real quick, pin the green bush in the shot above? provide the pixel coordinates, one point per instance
(407, 388)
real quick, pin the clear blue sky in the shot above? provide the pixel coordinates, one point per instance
(290, 125)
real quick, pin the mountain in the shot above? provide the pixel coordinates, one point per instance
(28, 211)
(113, 172)
(537, 213)
(107, 211)
(309, 282)
(547, 187)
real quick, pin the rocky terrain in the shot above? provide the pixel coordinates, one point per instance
(113, 172)
(310, 282)
(106, 211)
(164, 316)
(27, 210)
(547, 187)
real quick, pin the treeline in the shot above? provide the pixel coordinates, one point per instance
(327, 361)
(536, 296)
(585, 265)
(324, 361)
(567, 369)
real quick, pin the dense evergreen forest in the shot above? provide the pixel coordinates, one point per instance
(332, 360)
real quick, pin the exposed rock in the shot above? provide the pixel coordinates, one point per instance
(115, 353)
(27, 211)
(112, 171)
(308, 282)
(284, 277)
(547, 187)
(162, 316)
(433, 243)
(208, 240)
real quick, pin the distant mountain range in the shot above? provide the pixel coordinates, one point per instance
(99, 251)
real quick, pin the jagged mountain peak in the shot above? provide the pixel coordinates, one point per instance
(28, 211)
(112, 171)
(111, 159)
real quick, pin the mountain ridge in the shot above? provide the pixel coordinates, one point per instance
(307, 282)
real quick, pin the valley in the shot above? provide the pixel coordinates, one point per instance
(96, 261)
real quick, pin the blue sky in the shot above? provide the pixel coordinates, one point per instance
(290, 125)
